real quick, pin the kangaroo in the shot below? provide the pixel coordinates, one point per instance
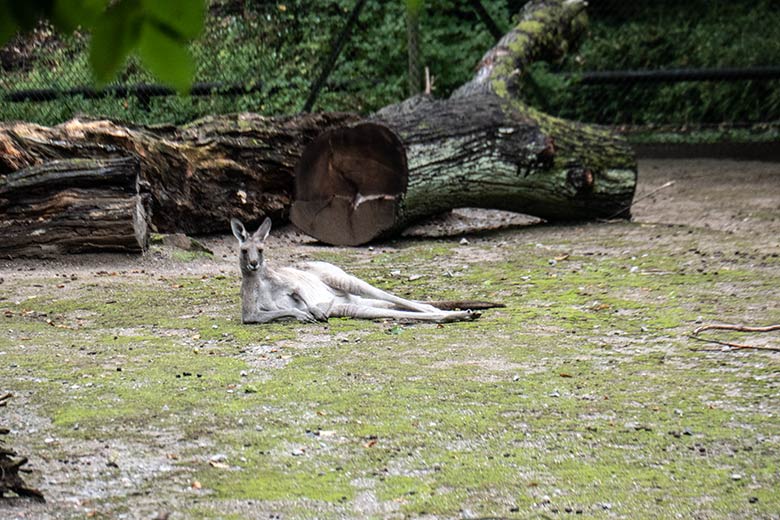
(317, 291)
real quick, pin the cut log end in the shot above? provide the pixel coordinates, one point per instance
(349, 183)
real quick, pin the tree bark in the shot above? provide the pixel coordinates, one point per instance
(482, 147)
(73, 206)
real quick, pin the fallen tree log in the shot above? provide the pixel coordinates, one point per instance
(198, 175)
(360, 179)
(73, 206)
(482, 147)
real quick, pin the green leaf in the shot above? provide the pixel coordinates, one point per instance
(114, 35)
(166, 57)
(183, 17)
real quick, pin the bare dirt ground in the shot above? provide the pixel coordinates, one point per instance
(612, 299)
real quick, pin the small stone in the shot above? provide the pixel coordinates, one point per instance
(464, 241)
(736, 476)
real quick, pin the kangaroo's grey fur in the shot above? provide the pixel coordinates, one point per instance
(317, 291)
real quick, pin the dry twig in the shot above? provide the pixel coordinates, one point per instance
(735, 346)
(738, 328)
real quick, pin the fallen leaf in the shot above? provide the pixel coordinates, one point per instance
(196, 485)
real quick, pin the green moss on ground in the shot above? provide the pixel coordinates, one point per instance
(583, 394)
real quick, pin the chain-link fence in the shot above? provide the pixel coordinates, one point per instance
(650, 64)
(676, 66)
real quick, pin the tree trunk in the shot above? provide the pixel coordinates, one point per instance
(360, 179)
(480, 148)
(73, 206)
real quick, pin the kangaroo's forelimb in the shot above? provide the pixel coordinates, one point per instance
(258, 316)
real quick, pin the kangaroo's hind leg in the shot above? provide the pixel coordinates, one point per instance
(338, 279)
(348, 310)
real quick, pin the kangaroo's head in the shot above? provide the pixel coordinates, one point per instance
(250, 253)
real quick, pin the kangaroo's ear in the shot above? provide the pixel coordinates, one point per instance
(263, 230)
(238, 230)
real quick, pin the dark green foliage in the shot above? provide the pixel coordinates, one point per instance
(669, 35)
(277, 45)
(280, 46)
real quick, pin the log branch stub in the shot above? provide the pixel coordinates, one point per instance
(546, 31)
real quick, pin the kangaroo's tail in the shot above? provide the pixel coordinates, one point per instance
(449, 305)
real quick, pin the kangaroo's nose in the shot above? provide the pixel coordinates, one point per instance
(253, 265)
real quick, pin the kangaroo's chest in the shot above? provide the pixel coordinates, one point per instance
(286, 289)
